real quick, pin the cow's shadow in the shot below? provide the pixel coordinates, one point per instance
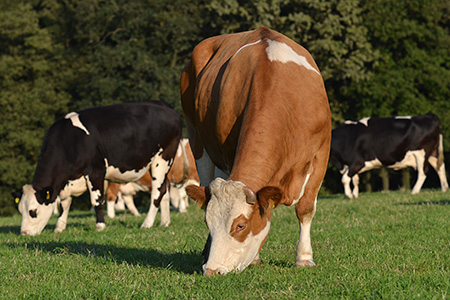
(185, 262)
(438, 202)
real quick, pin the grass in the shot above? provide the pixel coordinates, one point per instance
(381, 245)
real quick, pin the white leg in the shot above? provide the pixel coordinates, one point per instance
(110, 211)
(440, 171)
(182, 196)
(56, 205)
(304, 255)
(62, 220)
(159, 169)
(355, 181)
(120, 205)
(420, 159)
(346, 182)
(165, 210)
(130, 204)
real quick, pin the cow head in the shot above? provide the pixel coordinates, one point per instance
(238, 221)
(35, 213)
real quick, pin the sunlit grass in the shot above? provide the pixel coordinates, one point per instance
(382, 245)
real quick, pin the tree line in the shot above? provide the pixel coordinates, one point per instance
(377, 58)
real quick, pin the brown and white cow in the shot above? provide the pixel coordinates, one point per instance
(256, 108)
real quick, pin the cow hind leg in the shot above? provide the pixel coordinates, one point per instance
(159, 170)
(440, 171)
(420, 160)
(129, 202)
(165, 210)
(95, 187)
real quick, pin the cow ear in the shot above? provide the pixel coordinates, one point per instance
(16, 196)
(269, 197)
(200, 194)
(46, 195)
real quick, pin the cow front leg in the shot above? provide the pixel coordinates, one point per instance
(95, 187)
(61, 223)
(355, 181)
(346, 182)
(305, 213)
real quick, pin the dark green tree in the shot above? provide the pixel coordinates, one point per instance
(331, 30)
(30, 93)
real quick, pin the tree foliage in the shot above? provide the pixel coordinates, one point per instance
(380, 57)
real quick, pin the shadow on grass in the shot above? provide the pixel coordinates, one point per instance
(440, 202)
(188, 263)
(10, 229)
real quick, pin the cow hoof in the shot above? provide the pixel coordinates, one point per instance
(305, 263)
(165, 224)
(256, 262)
(100, 226)
(146, 226)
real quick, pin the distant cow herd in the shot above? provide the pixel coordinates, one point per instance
(257, 113)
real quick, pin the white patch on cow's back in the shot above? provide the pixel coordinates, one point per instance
(365, 121)
(246, 45)
(403, 117)
(75, 119)
(281, 52)
(349, 122)
(302, 192)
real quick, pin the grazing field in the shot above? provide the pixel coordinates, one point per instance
(382, 245)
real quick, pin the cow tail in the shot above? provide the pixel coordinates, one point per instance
(186, 166)
(440, 158)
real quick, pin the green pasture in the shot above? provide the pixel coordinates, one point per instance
(381, 246)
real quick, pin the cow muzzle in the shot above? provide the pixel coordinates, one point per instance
(209, 272)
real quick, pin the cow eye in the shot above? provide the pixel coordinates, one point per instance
(33, 213)
(240, 227)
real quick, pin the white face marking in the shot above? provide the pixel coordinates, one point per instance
(251, 44)
(364, 121)
(228, 202)
(281, 52)
(302, 192)
(28, 207)
(74, 117)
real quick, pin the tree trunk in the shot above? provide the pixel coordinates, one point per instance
(406, 180)
(384, 174)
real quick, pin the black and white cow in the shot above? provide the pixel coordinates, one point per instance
(399, 142)
(119, 143)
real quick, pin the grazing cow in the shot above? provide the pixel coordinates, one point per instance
(256, 108)
(396, 143)
(118, 143)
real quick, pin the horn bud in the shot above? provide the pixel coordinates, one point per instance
(250, 196)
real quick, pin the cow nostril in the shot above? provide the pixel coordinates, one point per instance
(23, 232)
(208, 272)
(219, 272)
